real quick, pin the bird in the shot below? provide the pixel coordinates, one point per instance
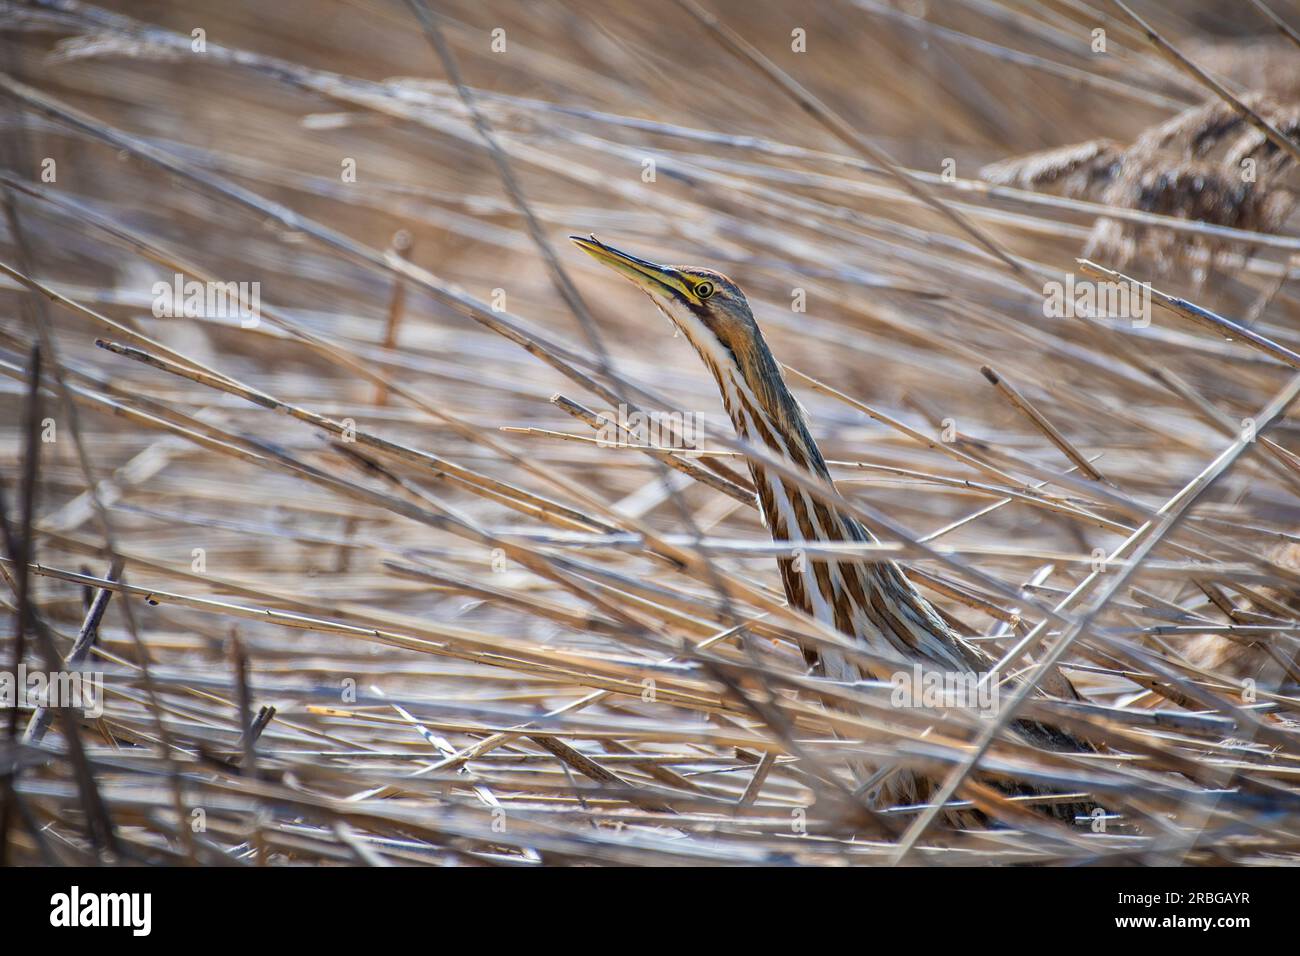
(874, 602)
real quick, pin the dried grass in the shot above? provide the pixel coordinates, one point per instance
(1206, 164)
(363, 591)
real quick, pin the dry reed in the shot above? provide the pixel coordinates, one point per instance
(381, 578)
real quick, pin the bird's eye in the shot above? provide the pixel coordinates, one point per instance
(704, 290)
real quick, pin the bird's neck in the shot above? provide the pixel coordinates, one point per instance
(767, 415)
(871, 600)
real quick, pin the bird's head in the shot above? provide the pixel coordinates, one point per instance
(708, 307)
(712, 312)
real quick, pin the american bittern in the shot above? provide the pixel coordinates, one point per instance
(872, 601)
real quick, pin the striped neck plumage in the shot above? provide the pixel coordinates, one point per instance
(870, 600)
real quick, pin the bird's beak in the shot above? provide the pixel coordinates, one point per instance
(661, 281)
